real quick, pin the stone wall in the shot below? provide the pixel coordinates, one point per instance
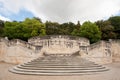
(99, 52)
(59, 44)
(115, 50)
(18, 51)
(66, 41)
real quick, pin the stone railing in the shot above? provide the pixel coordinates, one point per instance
(104, 46)
(95, 45)
(59, 38)
(114, 41)
(6, 41)
(19, 42)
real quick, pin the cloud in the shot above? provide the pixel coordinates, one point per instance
(63, 10)
(4, 18)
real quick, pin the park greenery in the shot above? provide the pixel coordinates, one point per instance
(30, 27)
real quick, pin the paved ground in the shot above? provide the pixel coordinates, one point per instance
(112, 74)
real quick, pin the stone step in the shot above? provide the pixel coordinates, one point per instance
(56, 58)
(53, 74)
(59, 65)
(60, 58)
(60, 71)
(61, 61)
(60, 68)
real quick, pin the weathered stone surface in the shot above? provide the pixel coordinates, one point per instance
(99, 52)
(115, 50)
(18, 51)
(56, 64)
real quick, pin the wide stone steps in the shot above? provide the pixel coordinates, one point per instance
(67, 64)
(58, 70)
(54, 65)
(59, 66)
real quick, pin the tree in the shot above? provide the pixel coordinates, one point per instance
(76, 29)
(78, 25)
(25, 29)
(115, 22)
(91, 31)
(1, 27)
(52, 28)
(37, 18)
(10, 29)
(67, 28)
(75, 32)
(107, 30)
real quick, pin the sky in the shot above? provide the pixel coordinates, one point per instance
(59, 10)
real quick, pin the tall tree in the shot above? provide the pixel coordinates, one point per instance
(115, 22)
(67, 28)
(76, 30)
(39, 19)
(10, 29)
(107, 29)
(52, 28)
(24, 30)
(1, 27)
(91, 31)
(78, 25)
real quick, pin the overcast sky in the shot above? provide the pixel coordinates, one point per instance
(59, 10)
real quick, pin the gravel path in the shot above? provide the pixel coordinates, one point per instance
(112, 74)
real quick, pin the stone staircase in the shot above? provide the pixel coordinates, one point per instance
(58, 65)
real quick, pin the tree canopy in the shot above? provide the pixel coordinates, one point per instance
(91, 31)
(1, 28)
(115, 22)
(24, 30)
(106, 29)
(30, 27)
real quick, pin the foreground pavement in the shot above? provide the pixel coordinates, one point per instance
(112, 74)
